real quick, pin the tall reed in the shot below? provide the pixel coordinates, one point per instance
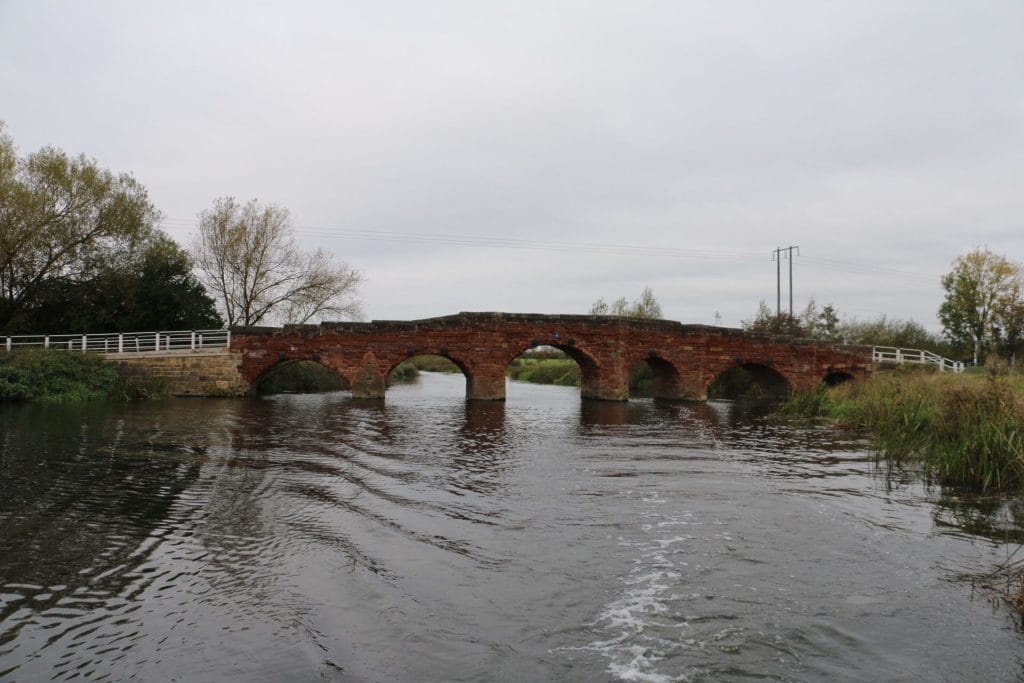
(963, 430)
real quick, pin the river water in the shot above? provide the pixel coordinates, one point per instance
(317, 537)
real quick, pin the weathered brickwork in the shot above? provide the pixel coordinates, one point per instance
(211, 373)
(685, 358)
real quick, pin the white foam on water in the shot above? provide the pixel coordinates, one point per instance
(636, 631)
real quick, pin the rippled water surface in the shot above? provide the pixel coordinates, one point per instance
(428, 538)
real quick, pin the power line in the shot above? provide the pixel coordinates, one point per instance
(472, 241)
(500, 242)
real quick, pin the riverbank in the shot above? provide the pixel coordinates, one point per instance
(963, 430)
(49, 376)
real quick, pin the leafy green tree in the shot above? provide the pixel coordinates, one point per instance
(152, 288)
(823, 324)
(885, 331)
(1009, 336)
(828, 323)
(981, 292)
(646, 306)
(63, 220)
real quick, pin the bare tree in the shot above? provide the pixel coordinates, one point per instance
(646, 306)
(247, 255)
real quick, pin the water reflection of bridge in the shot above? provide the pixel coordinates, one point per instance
(684, 359)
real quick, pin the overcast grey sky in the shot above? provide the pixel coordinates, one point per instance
(883, 138)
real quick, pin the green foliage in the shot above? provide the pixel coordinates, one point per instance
(551, 366)
(560, 371)
(300, 377)
(826, 324)
(641, 380)
(409, 370)
(63, 220)
(433, 363)
(403, 373)
(734, 383)
(983, 302)
(49, 376)
(646, 306)
(963, 430)
(766, 322)
(883, 331)
(151, 288)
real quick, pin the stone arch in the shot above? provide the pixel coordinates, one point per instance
(668, 383)
(465, 366)
(284, 361)
(466, 372)
(772, 382)
(592, 383)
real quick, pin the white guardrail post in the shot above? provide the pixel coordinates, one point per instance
(890, 354)
(180, 341)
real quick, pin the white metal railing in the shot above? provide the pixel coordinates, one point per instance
(123, 342)
(891, 354)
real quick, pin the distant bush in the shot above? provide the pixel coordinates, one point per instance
(50, 376)
(409, 370)
(403, 373)
(734, 383)
(300, 377)
(560, 371)
(433, 363)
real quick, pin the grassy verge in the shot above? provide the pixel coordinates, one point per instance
(560, 371)
(964, 430)
(408, 370)
(565, 372)
(49, 376)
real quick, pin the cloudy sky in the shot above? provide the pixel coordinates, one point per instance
(534, 156)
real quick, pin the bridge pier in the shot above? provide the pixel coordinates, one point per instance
(684, 386)
(486, 384)
(369, 381)
(605, 386)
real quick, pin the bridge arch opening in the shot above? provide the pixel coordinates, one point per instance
(749, 380)
(408, 371)
(545, 365)
(558, 364)
(299, 376)
(654, 377)
(836, 377)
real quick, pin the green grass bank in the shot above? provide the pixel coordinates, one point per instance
(963, 430)
(49, 376)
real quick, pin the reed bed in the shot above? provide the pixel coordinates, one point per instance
(964, 430)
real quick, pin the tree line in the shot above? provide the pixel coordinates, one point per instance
(81, 251)
(982, 313)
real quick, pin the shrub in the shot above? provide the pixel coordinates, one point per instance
(51, 376)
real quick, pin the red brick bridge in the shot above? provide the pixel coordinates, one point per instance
(685, 359)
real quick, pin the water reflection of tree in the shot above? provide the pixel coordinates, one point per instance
(82, 489)
(996, 519)
(87, 496)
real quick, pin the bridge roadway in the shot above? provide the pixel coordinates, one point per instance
(685, 358)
